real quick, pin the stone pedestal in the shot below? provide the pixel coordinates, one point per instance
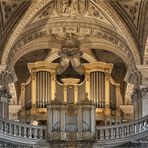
(128, 111)
(13, 111)
(4, 103)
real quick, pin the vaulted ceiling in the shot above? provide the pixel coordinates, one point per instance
(135, 15)
(11, 12)
(132, 13)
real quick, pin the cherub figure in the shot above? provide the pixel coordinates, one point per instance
(76, 6)
(66, 6)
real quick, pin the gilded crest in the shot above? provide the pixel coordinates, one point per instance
(71, 7)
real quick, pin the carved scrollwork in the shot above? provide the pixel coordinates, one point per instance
(70, 54)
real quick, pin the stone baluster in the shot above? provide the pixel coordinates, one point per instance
(19, 131)
(5, 127)
(27, 132)
(147, 123)
(41, 134)
(10, 129)
(112, 133)
(122, 131)
(117, 132)
(144, 125)
(141, 126)
(24, 132)
(1, 126)
(132, 129)
(137, 127)
(30, 133)
(106, 133)
(35, 133)
(127, 130)
(101, 134)
(15, 132)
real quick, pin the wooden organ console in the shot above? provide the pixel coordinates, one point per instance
(42, 89)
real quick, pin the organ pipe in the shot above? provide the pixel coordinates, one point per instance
(43, 88)
(99, 85)
(97, 81)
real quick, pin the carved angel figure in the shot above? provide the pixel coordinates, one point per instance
(66, 6)
(70, 54)
(75, 6)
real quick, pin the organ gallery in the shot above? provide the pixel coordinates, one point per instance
(73, 73)
(96, 86)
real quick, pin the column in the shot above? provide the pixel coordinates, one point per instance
(75, 94)
(107, 93)
(87, 84)
(144, 88)
(53, 85)
(117, 96)
(33, 76)
(144, 94)
(22, 96)
(65, 93)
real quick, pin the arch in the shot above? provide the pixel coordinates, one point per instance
(39, 44)
(36, 6)
(120, 25)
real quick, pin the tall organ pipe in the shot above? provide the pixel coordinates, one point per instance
(43, 88)
(97, 88)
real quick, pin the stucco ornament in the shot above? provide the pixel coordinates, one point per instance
(70, 54)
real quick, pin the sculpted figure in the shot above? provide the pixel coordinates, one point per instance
(66, 6)
(76, 6)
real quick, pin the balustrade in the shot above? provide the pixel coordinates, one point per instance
(22, 130)
(127, 131)
(123, 130)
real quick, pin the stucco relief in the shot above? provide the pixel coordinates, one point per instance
(57, 31)
(42, 4)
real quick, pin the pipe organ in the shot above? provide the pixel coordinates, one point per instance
(43, 96)
(97, 88)
(42, 87)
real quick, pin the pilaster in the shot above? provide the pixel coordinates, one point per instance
(144, 88)
(53, 85)
(107, 93)
(33, 76)
(87, 84)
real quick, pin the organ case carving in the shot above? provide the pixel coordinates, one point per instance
(42, 87)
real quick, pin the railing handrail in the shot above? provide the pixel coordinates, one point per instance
(123, 124)
(114, 134)
(22, 124)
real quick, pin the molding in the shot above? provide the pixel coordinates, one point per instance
(39, 5)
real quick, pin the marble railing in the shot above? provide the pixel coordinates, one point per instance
(22, 133)
(122, 133)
